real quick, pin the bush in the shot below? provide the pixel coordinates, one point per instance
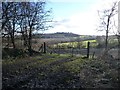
(10, 52)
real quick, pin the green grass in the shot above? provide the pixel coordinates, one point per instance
(83, 44)
(65, 65)
(93, 43)
(13, 65)
(74, 66)
(92, 72)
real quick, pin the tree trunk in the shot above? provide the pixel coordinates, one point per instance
(8, 41)
(25, 39)
(106, 41)
(13, 41)
(29, 42)
(12, 34)
(118, 46)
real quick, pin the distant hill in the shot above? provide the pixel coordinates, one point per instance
(56, 35)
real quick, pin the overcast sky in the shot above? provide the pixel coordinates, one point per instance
(77, 16)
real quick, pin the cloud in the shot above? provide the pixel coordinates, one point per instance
(71, 1)
(84, 23)
(60, 22)
(81, 23)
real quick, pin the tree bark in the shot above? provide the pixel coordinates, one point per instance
(13, 38)
(29, 42)
(106, 42)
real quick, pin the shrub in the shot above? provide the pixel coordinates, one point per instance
(10, 52)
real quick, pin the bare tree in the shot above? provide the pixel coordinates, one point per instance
(112, 23)
(106, 22)
(25, 18)
(35, 19)
(9, 19)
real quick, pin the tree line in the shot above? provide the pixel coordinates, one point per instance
(24, 18)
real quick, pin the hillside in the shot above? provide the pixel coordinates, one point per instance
(56, 35)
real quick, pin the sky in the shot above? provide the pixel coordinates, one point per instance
(77, 16)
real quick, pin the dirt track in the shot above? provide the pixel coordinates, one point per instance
(59, 71)
(28, 77)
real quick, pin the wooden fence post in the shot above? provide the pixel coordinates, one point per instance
(41, 48)
(44, 47)
(88, 49)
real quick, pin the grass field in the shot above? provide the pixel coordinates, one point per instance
(83, 44)
(59, 71)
